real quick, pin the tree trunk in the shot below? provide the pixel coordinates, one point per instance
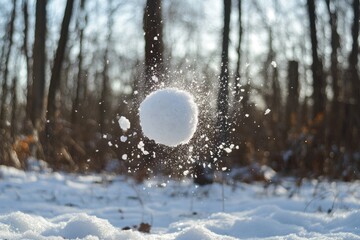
(39, 61)
(104, 103)
(354, 113)
(154, 47)
(223, 94)
(25, 49)
(238, 50)
(55, 83)
(333, 131)
(80, 75)
(10, 33)
(14, 119)
(316, 67)
(58, 61)
(292, 104)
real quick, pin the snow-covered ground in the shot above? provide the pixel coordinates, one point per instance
(56, 206)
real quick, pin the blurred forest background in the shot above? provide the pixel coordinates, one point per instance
(277, 84)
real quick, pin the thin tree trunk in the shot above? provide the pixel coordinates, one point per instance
(25, 49)
(55, 83)
(292, 105)
(333, 130)
(238, 50)
(154, 47)
(58, 62)
(39, 61)
(13, 129)
(105, 92)
(223, 94)
(355, 80)
(3, 107)
(316, 67)
(104, 105)
(80, 76)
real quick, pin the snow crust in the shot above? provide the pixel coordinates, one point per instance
(56, 206)
(169, 116)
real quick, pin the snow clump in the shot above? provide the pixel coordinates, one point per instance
(124, 123)
(169, 116)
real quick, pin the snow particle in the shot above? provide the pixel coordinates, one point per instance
(155, 78)
(124, 123)
(123, 138)
(228, 150)
(274, 64)
(267, 111)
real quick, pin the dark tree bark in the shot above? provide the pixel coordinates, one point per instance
(58, 61)
(154, 47)
(316, 66)
(238, 50)
(13, 129)
(25, 49)
(335, 45)
(106, 91)
(154, 64)
(104, 103)
(352, 111)
(80, 75)
(10, 33)
(292, 104)
(223, 94)
(52, 111)
(333, 131)
(39, 61)
(354, 54)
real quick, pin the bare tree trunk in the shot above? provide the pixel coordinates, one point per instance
(333, 131)
(355, 80)
(238, 50)
(3, 107)
(13, 129)
(25, 49)
(154, 47)
(104, 104)
(80, 76)
(292, 105)
(39, 61)
(105, 92)
(55, 80)
(154, 64)
(223, 94)
(276, 102)
(316, 67)
(59, 58)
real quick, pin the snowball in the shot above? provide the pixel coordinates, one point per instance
(124, 157)
(169, 116)
(124, 123)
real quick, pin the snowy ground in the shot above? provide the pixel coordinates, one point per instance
(57, 206)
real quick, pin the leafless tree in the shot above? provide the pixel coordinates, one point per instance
(223, 94)
(154, 47)
(9, 46)
(39, 64)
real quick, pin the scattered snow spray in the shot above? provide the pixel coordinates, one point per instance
(169, 116)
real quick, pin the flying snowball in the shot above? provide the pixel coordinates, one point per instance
(169, 116)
